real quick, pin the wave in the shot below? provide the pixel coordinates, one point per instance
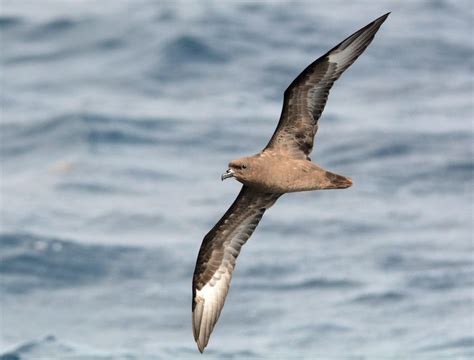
(8, 22)
(190, 49)
(82, 129)
(307, 284)
(383, 298)
(30, 262)
(50, 347)
(77, 132)
(456, 344)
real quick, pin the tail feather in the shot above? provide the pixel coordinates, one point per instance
(335, 181)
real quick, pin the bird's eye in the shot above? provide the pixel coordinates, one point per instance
(244, 166)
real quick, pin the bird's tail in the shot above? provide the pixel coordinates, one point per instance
(335, 181)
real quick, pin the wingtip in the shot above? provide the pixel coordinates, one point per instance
(200, 346)
(200, 335)
(383, 17)
(201, 343)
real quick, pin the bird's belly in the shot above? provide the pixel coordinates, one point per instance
(295, 176)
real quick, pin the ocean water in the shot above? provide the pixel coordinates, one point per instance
(117, 120)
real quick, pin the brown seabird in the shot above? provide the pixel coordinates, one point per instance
(283, 166)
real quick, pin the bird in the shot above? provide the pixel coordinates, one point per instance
(283, 166)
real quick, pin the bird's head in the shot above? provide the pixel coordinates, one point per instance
(239, 168)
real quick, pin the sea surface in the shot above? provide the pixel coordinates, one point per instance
(117, 119)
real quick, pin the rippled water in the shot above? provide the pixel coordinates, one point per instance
(117, 121)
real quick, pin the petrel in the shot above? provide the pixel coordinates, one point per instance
(283, 166)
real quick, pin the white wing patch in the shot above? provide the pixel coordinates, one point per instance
(209, 302)
(347, 51)
(210, 299)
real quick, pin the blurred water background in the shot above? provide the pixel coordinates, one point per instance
(117, 119)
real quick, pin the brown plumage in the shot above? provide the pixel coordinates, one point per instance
(282, 167)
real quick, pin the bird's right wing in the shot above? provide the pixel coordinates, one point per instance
(217, 256)
(306, 97)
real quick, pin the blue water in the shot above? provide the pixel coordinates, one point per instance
(117, 121)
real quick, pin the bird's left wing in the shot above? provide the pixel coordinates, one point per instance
(306, 96)
(217, 256)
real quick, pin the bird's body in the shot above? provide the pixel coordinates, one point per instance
(275, 172)
(283, 166)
